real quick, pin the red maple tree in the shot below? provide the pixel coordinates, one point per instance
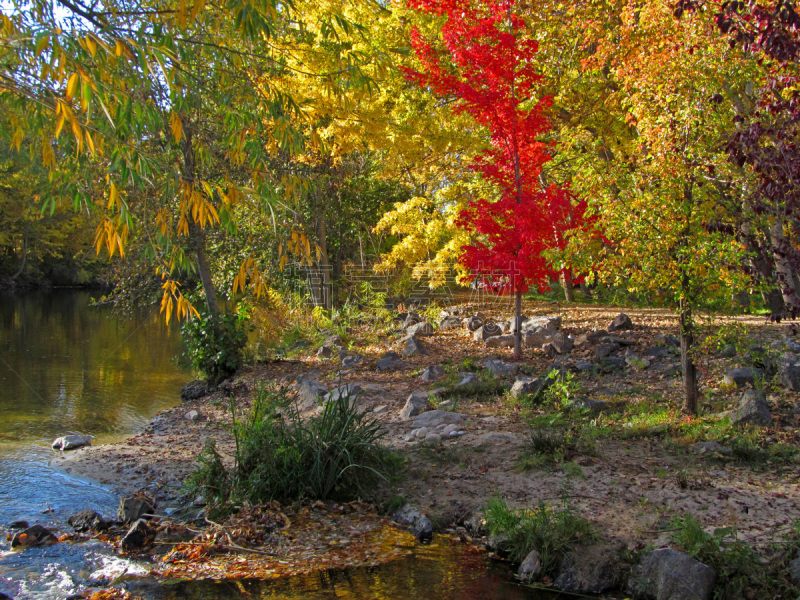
(491, 71)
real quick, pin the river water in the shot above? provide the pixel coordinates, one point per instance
(66, 366)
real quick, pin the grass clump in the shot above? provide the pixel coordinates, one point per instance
(558, 445)
(740, 571)
(552, 532)
(335, 455)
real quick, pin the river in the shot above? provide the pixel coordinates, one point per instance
(68, 366)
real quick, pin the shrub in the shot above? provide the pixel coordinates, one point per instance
(549, 531)
(214, 344)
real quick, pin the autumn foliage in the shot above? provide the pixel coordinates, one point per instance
(489, 67)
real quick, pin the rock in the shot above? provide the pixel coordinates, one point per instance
(496, 436)
(670, 370)
(133, 507)
(635, 362)
(743, 376)
(434, 418)
(528, 386)
(610, 364)
(71, 442)
(450, 323)
(667, 574)
(551, 323)
(591, 570)
(448, 429)
(657, 352)
(500, 341)
(760, 358)
(593, 337)
(432, 373)
(729, 351)
(18, 525)
(332, 341)
(604, 350)
(499, 368)
(35, 535)
(662, 339)
(594, 405)
(192, 416)
(88, 520)
(562, 343)
(473, 323)
(512, 322)
(379, 410)
(137, 536)
(351, 361)
(476, 524)
(794, 571)
(299, 345)
(413, 347)
(500, 544)
(711, 447)
(530, 568)
(615, 339)
(484, 332)
(390, 361)
(351, 391)
(433, 439)
(420, 329)
(536, 338)
(420, 525)
(587, 367)
(620, 322)
(753, 409)
(412, 318)
(309, 393)
(467, 380)
(325, 351)
(790, 376)
(416, 403)
(194, 390)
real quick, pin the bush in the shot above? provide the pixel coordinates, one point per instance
(549, 531)
(214, 344)
(335, 455)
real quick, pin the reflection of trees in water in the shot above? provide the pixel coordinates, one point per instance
(67, 365)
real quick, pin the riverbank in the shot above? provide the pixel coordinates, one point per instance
(641, 468)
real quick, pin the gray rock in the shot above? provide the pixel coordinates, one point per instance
(662, 339)
(536, 338)
(351, 391)
(71, 442)
(500, 341)
(467, 380)
(635, 362)
(390, 361)
(413, 347)
(192, 416)
(133, 507)
(499, 543)
(790, 376)
(432, 373)
(416, 403)
(499, 368)
(530, 568)
(592, 570)
(476, 524)
(35, 535)
(753, 409)
(433, 439)
(562, 343)
(657, 352)
(420, 525)
(412, 318)
(667, 574)
(615, 339)
(473, 323)
(513, 321)
(420, 329)
(729, 351)
(794, 571)
(379, 410)
(552, 323)
(609, 364)
(88, 520)
(194, 390)
(484, 332)
(299, 345)
(137, 536)
(528, 386)
(604, 350)
(434, 418)
(743, 376)
(497, 436)
(352, 360)
(332, 341)
(620, 323)
(593, 337)
(450, 323)
(587, 367)
(309, 393)
(325, 351)
(711, 447)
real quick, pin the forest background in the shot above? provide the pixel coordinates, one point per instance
(271, 151)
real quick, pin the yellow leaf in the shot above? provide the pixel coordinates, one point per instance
(89, 142)
(91, 45)
(41, 44)
(71, 85)
(78, 133)
(177, 127)
(60, 124)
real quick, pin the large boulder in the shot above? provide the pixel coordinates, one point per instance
(790, 376)
(620, 323)
(753, 409)
(536, 338)
(593, 337)
(484, 332)
(530, 568)
(411, 346)
(591, 570)
(412, 518)
(667, 574)
(416, 403)
(35, 535)
(500, 341)
(474, 322)
(420, 329)
(351, 361)
(309, 393)
(390, 361)
(499, 368)
(551, 323)
(529, 386)
(743, 376)
(604, 350)
(432, 373)
(138, 536)
(88, 520)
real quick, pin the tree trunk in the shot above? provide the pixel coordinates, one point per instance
(690, 392)
(784, 269)
(518, 326)
(566, 283)
(197, 239)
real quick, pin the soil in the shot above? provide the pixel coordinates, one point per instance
(629, 487)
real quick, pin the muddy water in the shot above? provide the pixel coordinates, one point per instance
(67, 366)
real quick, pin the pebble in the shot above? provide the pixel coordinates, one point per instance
(420, 433)
(448, 430)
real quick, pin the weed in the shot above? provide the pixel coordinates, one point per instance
(210, 478)
(562, 388)
(556, 445)
(550, 531)
(214, 344)
(393, 504)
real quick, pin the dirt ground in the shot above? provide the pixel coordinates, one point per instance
(629, 488)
